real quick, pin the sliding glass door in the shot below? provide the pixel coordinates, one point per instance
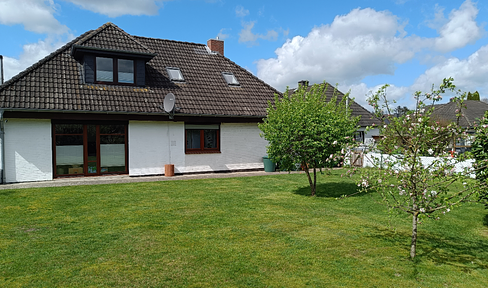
(89, 149)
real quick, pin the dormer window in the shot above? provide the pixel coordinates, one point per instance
(175, 74)
(230, 79)
(114, 70)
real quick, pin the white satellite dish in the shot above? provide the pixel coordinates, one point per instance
(169, 102)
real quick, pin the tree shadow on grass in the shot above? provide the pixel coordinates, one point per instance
(468, 255)
(485, 220)
(331, 189)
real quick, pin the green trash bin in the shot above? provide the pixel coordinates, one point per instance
(269, 166)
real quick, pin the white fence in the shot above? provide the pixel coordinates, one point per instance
(371, 159)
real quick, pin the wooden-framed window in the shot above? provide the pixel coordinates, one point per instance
(202, 138)
(89, 148)
(115, 71)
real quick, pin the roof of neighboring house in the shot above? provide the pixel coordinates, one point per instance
(471, 112)
(367, 118)
(56, 83)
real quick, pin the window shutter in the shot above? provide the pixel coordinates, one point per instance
(89, 65)
(140, 73)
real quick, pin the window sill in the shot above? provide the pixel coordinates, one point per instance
(202, 152)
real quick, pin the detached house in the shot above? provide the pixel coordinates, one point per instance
(367, 119)
(96, 106)
(471, 112)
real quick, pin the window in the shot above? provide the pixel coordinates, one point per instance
(230, 79)
(89, 149)
(175, 74)
(359, 136)
(202, 138)
(114, 70)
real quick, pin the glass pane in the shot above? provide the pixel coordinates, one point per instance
(192, 139)
(112, 139)
(105, 68)
(112, 129)
(231, 79)
(112, 153)
(175, 74)
(126, 71)
(69, 154)
(210, 138)
(69, 128)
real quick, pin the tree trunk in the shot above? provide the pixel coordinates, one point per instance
(413, 247)
(312, 183)
(314, 180)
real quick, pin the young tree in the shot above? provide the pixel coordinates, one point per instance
(406, 183)
(306, 128)
(479, 149)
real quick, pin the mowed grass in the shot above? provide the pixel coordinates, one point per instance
(237, 232)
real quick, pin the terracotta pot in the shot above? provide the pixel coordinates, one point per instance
(169, 170)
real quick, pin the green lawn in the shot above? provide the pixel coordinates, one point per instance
(235, 232)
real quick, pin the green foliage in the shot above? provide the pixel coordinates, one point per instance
(403, 181)
(479, 150)
(473, 96)
(304, 128)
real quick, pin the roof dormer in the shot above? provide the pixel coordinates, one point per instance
(111, 56)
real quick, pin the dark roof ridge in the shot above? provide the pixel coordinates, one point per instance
(169, 40)
(107, 25)
(42, 61)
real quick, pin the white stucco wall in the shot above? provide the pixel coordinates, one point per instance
(28, 150)
(154, 144)
(241, 148)
(368, 136)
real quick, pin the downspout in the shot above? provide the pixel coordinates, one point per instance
(2, 141)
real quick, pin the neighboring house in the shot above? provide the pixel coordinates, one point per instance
(471, 112)
(95, 107)
(367, 119)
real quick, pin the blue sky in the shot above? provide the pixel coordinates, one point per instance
(358, 45)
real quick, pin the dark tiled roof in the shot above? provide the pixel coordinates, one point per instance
(472, 111)
(56, 83)
(111, 37)
(367, 118)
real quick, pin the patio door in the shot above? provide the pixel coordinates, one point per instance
(89, 149)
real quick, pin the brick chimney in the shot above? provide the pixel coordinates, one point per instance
(216, 45)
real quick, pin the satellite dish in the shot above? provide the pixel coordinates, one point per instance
(169, 102)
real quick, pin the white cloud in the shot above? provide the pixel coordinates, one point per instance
(469, 74)
(222, 35)
(360, 92)
(246, 34)
(115, 8)
(32, 53)
(241, 12)
(361, 43)
(364, 43)
(460, 30)
(35, 15)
